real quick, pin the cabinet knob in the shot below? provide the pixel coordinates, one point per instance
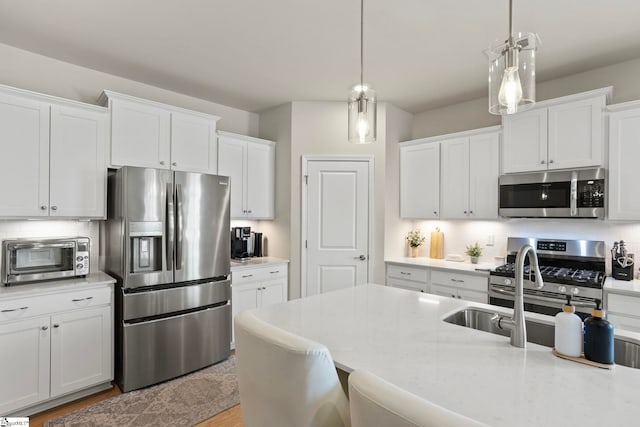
(43, 208)
(249, 211)
(44, 328)
(162, 162)
(465, 212)
(174, 164)
(542, 162)
(435, 212)
(54, 208)
(470, 212)
(55, 325)
(550, 161)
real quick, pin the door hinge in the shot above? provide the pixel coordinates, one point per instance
(306, 179)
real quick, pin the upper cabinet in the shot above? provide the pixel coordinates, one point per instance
(52, 157)
(150, 134)
(624, 152)
(250, 163)
(560, 133)
(469, 173)
(420, 179)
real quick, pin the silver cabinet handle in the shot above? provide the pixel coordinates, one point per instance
(542, 162)
(247, 275)
(162, 162)
(457, 280)
(249, 211)
(54, 208)
(44, 328)
(550, 161)
(465, 212)
(453, 296)
(43, 208)
(361, 257)
(82, 299)
(470, 212)
(274, 272)
(405, 273)
(14, 309)
(435, 212)
(174, 164)
(55, 325)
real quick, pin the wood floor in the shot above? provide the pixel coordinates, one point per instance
(232, 417)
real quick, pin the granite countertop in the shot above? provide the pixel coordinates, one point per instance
(256, 262)
(399, 335)
(465, 266)
(631, 288)
(97, 278)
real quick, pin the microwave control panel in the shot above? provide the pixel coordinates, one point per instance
(82, 258)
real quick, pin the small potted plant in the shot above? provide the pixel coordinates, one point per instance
(415, 239)
(474, 251)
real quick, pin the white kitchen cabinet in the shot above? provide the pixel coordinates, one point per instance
(623, 311)
(405, 277)
(469, 287)
(470, 166)
(560, 133)
(250, 163)
(52, 154)
(151, 134)
(57, 345)
(258, 287)
(624, 170)
(420, 180)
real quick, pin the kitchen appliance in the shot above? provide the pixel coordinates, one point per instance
(621, 262)
(257, 244)
(167, 244)
(241, 243)
(558, 194)
(568, 267)
(32, 260)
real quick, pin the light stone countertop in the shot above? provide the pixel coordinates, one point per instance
(94, 279)
(482, 268)
(256, 262)
(623, 287)
(399, 335)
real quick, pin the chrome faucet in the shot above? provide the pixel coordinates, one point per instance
(517, 324)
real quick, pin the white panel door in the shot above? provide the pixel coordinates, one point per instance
(24, 363)
(139, 135)
(420, 181)
(575, 134)
(194, 146)
(259, 186)
(337, 225)
(484, 170)
(78, 175)
(81, 350)
(24, 163)
(272, 292)
(454, 178)
(624, 170)
(231, 163)
(524, 147)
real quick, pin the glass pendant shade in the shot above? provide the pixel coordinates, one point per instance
(362, 115)
(512, 74)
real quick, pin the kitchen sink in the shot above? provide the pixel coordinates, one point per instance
(626, 350)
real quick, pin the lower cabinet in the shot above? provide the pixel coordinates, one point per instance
(54, 345)
(258, 287)
(623, 311)
(411, 278)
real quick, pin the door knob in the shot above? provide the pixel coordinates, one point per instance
(361, 257)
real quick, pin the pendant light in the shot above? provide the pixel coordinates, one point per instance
(512, 72)
(362, 101)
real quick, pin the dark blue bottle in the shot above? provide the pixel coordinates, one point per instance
(598, 337)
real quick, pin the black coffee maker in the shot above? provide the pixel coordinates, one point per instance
(241, 243)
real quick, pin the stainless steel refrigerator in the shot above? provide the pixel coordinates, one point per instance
(167, 242)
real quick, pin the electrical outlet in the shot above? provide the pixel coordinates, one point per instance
(490, 240)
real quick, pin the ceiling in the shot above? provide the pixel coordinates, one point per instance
(254, 54)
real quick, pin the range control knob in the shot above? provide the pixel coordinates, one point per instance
(575, 291)
(79, 259)
(508, 282)
(79, 266)
(562, 289)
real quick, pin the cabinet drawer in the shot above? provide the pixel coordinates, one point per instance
(458, 280)
(258, 274)
(37, 305)
(623, 304)
(407, 273)
(406, 284)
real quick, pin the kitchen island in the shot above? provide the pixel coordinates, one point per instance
(400, 336)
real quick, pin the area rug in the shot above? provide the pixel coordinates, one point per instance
(184, 401)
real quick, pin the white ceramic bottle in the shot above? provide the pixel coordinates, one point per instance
(569, 335)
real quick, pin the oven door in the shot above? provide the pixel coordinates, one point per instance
(537, 301)
(33, 261)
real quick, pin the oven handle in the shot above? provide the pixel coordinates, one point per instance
(41, 245)
(539, 298)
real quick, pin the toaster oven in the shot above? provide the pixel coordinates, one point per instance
(33, 260)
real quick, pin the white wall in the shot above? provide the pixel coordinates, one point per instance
(27, 70)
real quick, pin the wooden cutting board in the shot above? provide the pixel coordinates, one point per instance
(436, 242)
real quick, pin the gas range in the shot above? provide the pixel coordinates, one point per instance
(568, 267)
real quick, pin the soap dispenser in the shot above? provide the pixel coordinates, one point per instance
(568, 334)
(598, 337)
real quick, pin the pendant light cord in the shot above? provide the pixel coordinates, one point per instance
(510, 16)
(362, 45)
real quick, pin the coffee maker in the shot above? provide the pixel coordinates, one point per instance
(241, 243)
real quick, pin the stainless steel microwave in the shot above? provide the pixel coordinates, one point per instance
(555, 194)
(33, 260)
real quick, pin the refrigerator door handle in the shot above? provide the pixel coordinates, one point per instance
(170, 226)
(179, 225)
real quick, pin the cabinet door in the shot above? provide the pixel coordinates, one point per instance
(78, 175)
(259, 181)
(243, 297)
(139, 135)
(24, 163)
(231, 164)
(24, 363)
(524, 148)
(420, 181)
(473, 296)
(454, 175)
(575, 134)
(444, 291)
(81, 351)
(273, 292)
(624, 173)
(484, 170)
(194, 146)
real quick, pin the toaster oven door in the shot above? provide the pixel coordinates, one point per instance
(33, 261)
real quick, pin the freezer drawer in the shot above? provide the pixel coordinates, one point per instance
(166, 348)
